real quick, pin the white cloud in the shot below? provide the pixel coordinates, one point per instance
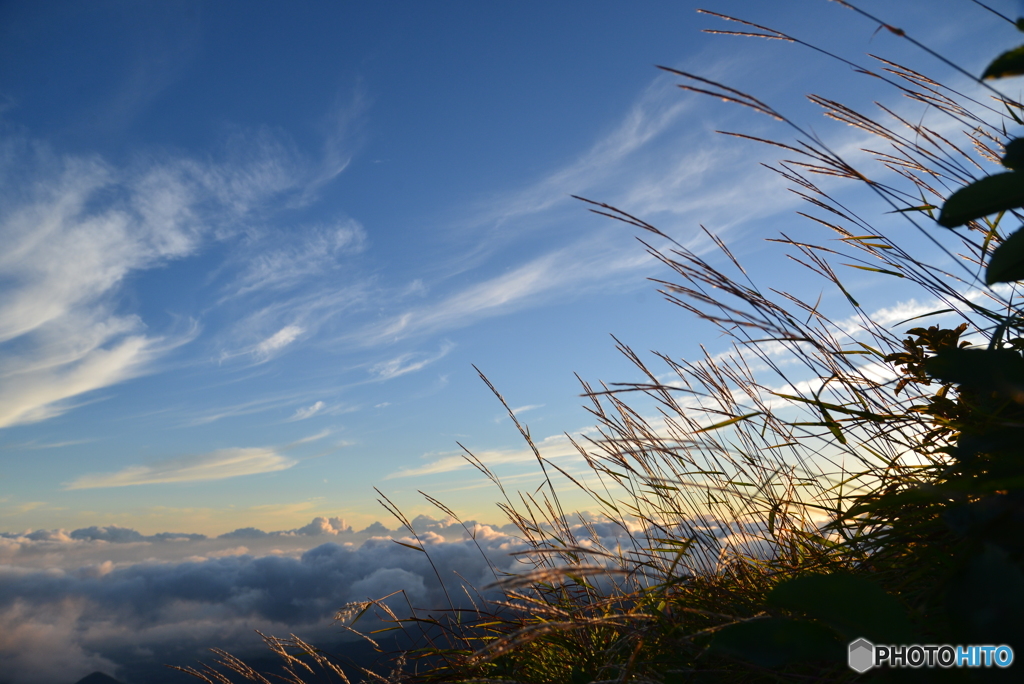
(555, 446)
(62, 253)
(216, 465)
(407, 363)
(74, 229)
(307, 252)
(306, 309)
(328, 526)
(308, 411)
(29, 626)
(243, 409)
(342, 135)
(67, 250)
(654, 113)
(309, 438)
(213, 594)
(546, 275)
(645, 164)
(41, 387)
(93, 613)
(278, 341)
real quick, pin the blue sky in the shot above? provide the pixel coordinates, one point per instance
(251, 253)
(251, 256)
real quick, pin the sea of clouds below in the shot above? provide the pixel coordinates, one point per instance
(115, 600)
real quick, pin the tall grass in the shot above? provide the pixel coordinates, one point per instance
(797, 451)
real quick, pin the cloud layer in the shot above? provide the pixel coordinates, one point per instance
(112, 599)
(102, 614)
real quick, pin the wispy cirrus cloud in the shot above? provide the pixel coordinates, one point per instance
(541, 277)
(269, 324)
(303, 413)
(278, 341)
(68, 248)
(310, 438)
(76, 228)
(552, 447)
(216, 465)
(40, 385)
(304, 253)
(518, 410)
(408, 363)
(266, 403)
(654, 113)
(652, 163)
(342, 134)
(32, 446)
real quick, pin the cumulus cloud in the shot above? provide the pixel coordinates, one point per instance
(111, 534)
(216, 465)
(331, 526)
(318, 526)
(383, 581)
(377, 529)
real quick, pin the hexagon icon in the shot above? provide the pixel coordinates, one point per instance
(861, 656)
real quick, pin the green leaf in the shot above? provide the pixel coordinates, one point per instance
(1020, 24)
(924, 207)
(1010, 63)
(726, 423)
(876, 270)
(853, 606)
(989, 195)
(771, 520)
(987, 370)
(410, 546)
(771, 642)
(1007, 262)
(1013, 114)
(1013, 154)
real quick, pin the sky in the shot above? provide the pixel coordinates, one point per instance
(252, 254)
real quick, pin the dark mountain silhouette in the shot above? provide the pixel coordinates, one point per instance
(97, 678)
